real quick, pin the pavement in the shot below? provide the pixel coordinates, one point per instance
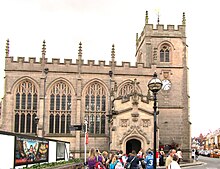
(182, 165)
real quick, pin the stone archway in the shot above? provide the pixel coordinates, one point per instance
(133, 144)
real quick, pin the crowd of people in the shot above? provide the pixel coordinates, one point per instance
(133, 160)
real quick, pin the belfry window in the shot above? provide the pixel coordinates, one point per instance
(60, 108)
(95, 108)
(165, 54)
(25, 107)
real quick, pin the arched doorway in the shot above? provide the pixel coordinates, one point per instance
(133, 144)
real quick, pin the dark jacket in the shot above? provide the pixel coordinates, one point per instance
(135, 162)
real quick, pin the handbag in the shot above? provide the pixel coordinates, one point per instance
(128, 164)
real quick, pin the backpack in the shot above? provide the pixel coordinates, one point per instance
(119, 165)
(99, 165)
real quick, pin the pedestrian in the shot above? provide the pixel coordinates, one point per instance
(99, 160)
(193, 154)
(149, 160)
(105, 158)
(140, 153)
(98, 155)
(108, 162)
(169, 159)
(91, 161)
(179, 153)
(197, 155)
(134, 160)
(113, 161)
(157, 157)
(174, 164)
(161, 160)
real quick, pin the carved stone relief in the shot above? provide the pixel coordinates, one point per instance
(124, 122)
(146, 122)
(134, 130)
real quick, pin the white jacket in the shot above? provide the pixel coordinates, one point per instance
(174, 165)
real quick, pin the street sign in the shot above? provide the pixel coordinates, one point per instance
(75, 127)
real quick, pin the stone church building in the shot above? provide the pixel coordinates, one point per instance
(114, 99)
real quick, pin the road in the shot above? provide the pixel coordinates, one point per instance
(209, 163)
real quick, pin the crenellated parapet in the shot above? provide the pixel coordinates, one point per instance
(55, 65)
(160, 30)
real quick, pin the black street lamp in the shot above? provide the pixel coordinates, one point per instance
(110, 73)
(46, 70)
(36, 120)
(155, 85)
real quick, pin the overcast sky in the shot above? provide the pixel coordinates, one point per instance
(100, 23)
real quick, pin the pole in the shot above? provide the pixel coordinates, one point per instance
(44, 107)
(109, 119)
(110, 111)
(85, 142)
(155, 128)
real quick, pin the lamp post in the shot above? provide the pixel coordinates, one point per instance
(110, 73)
(155, 85)
(36, 120)
(86, 140)
(46, 70)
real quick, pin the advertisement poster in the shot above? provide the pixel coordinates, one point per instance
(60, 151)
(29, 151)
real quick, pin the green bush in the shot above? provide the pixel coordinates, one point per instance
(54, 164)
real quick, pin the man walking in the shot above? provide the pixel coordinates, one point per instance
(170, 157)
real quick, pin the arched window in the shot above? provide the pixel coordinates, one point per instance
(60, 108)
(34, 126)
(35, 102)
(68, 122)
(63, 123)
(16, 129)
(51, 123)
(28, 123)
(95, 108)
(22, 126)
(127, 88)
(57, 123)
(165, 53)
(25, 107)
(29, 101)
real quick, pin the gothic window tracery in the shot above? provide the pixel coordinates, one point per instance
(128, 88)
(165, 53)
(95, 108)
(25, 107)
(60, 108)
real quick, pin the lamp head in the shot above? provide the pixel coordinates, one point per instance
(46, 70)
(110, 73)
(155, 84)
(36, 120)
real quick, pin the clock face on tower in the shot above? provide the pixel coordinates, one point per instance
(166, 84)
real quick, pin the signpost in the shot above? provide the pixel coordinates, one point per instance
(75, 127)
(79, 127)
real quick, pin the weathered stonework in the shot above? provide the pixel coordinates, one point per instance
(133, 118)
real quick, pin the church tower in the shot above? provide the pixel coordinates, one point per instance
(166, 50)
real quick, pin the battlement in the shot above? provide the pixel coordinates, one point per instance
(56, 61)
(31, 64)
(161, 31)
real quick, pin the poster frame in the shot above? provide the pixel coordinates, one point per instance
(30, 139)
